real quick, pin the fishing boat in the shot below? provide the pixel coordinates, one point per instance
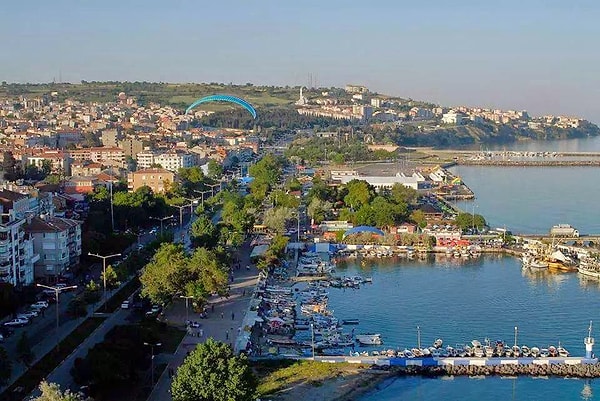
(438, 343)
(552, 351)
(544, 353)
(350, 321)
(489, 351)
(535, 352)
(525, 351)
(515, 351)
(369, 339)
(589, 267)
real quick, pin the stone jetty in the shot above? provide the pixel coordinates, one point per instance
(581, 371)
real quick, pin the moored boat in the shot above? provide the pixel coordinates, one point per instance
(369, 339)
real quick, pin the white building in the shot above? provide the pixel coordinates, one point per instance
(387, 183)
(58, 242)
(174, 160)
(17, 255)
(452, 117)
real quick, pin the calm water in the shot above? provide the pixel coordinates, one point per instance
(489, 296)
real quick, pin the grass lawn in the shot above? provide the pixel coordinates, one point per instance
(170, 337)
(32, 377)
(275, 376)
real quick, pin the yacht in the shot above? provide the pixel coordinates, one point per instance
(369, 339)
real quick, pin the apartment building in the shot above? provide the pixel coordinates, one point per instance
(105, 155)
(155, 178)
(17, 255)
(59, 160)
(57, 240)
(171, 160)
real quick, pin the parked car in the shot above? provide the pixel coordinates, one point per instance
(39, 305)
(18, 322)
(154, 311)
(125, 305)
(30, 314)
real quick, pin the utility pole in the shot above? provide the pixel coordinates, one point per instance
(186, 297)
(104, 271)
(418, 337)
(181, 214)
(112, 211)
(202, 193)
(57, 291)
(212, 187)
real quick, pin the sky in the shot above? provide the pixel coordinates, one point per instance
(537, 55)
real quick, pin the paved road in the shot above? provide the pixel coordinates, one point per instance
(222, 324)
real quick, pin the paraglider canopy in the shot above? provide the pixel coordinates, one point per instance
(223, 98)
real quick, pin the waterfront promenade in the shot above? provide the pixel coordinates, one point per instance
(222, 323)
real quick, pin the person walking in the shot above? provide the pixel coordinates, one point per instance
(227, 335)
(222, 315)
(232, 316)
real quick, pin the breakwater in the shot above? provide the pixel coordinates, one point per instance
(559, 370)
(530, 163)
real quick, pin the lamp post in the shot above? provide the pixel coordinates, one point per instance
(104, 271)
(192, 202)
(202, 193)
(181, 213)
(57, 291)
(212, 187)
(516, 331)
(152, 345)
(187, 297)
(419, 337)
(161, 221)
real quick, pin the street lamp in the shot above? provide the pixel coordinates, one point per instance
(187, 315)
(202, 193)
(152, 359)
(57, 291)
(212, 187)
(181, 213)
(161, 221)
(104, 271)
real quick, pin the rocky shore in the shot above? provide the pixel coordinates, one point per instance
(582, 371)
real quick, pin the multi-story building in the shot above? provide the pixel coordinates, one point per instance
(145, 159)
(17, 255)
(59, 161)
(174, 160)
(85, 168)
(155, 178)
(105, 155)
(57, 240)
(131, 147)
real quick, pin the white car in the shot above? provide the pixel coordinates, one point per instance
(27, 315)
(18, 322)
(125, 305)
(154, 311)
(39, 305)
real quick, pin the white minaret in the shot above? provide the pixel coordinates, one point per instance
(301, 100)
(589, 343)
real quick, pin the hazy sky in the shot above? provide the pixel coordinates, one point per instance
(539, 55)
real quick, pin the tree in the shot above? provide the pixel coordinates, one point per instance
(91, 293)
(359, 193)
(24, 352)
(275, 219)
(77, 307)
(318, 209)
(403, 194)
(112, 280)
(164, 276)
(418, 217)
(213, 373)
(52, 392)
(214, 169)
(5, 367)
(466, 221)
(204, 233)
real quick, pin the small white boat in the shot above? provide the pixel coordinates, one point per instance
(369, 339)
(438, 343)
(489, 351)
(535, 352)
(544, 353)
(516, 351)
(408, 353)
(525, 351)
(478, 352)
(562, 352)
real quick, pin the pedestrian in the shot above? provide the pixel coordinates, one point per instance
(227, 335)
(201, 333)
(212, 308)
(244, 292)
(232, 316)
(239, 330)
(232, 278)
(222, 315)
(247, 267)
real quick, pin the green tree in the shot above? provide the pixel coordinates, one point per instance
(164, 276)
(276, 219)
(466, 221)
(203, 232)
(318, 209)
(213, 373)
(91, 293)
(214, 169)
(24, 352)
(403, 194)
(418, 217)
(112, 280)
(208, 275)
(52, 392)
(359, 193)
(5, 367)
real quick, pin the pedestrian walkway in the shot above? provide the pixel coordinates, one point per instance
(225, 316)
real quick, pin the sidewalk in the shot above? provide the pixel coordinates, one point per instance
(222, 324)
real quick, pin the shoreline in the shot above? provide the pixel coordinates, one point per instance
(584, 371)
